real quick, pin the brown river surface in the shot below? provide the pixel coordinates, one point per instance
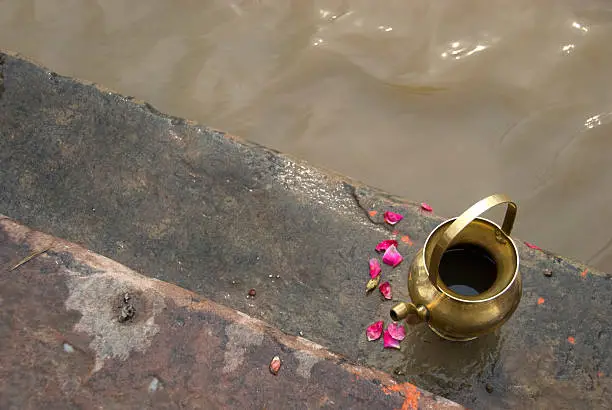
(438, 101)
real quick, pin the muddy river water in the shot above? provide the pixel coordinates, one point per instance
(439, 101)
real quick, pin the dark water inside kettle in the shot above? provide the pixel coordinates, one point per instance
(468, 270)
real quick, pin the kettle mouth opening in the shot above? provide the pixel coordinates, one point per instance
(482, 265)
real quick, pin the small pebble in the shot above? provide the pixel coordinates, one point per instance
(547, 272)
(68, 348)
(154, 385)
(275, 365)
(489, 388)
(252, 293)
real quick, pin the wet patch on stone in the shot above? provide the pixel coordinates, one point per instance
(96, 297)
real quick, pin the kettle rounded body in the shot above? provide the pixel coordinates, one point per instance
(465, 281)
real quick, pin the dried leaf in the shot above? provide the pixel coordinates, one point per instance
(372, 284)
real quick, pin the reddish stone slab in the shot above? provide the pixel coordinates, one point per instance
(80, 331)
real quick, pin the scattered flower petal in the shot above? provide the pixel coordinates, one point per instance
(389, 342)
(252, 293)
(374, 268)
(392, 257)
(372, 284)
(385, 289)
(384, 245)
(397, 331)
(532, 246)
(275, 365)
(426, 207)
(584, 273)
(373, 213)
(406, 239)
(392, 218)
(540, 301)
(571, 340)
(395, 233)
(374, 331)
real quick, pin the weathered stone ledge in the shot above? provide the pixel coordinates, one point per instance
(66, 344)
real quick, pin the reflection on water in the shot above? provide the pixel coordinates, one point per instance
(439, 101)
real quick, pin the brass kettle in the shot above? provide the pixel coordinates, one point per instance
(465, 282)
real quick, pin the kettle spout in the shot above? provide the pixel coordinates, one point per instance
(400, 311)
(403, 310)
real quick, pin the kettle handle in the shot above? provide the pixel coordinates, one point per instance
(451, 233)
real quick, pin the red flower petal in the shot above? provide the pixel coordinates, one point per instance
(385, 289)
(426, 207)
(384, 245)
(389, 341)
(406, 239)
(532, 246)
(392, 218)
(374, 268)
(397, 331)
(374, 331)
(392, 257)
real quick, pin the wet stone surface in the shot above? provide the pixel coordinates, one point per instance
(220, 216)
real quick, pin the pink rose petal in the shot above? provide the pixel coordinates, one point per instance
(392, 257)
(426, 207)
(392, 218)
(384, 245)
(374, 331)
(397, 331)
(389, 341)
(374, 268)
(385, 289)
(532, 246)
